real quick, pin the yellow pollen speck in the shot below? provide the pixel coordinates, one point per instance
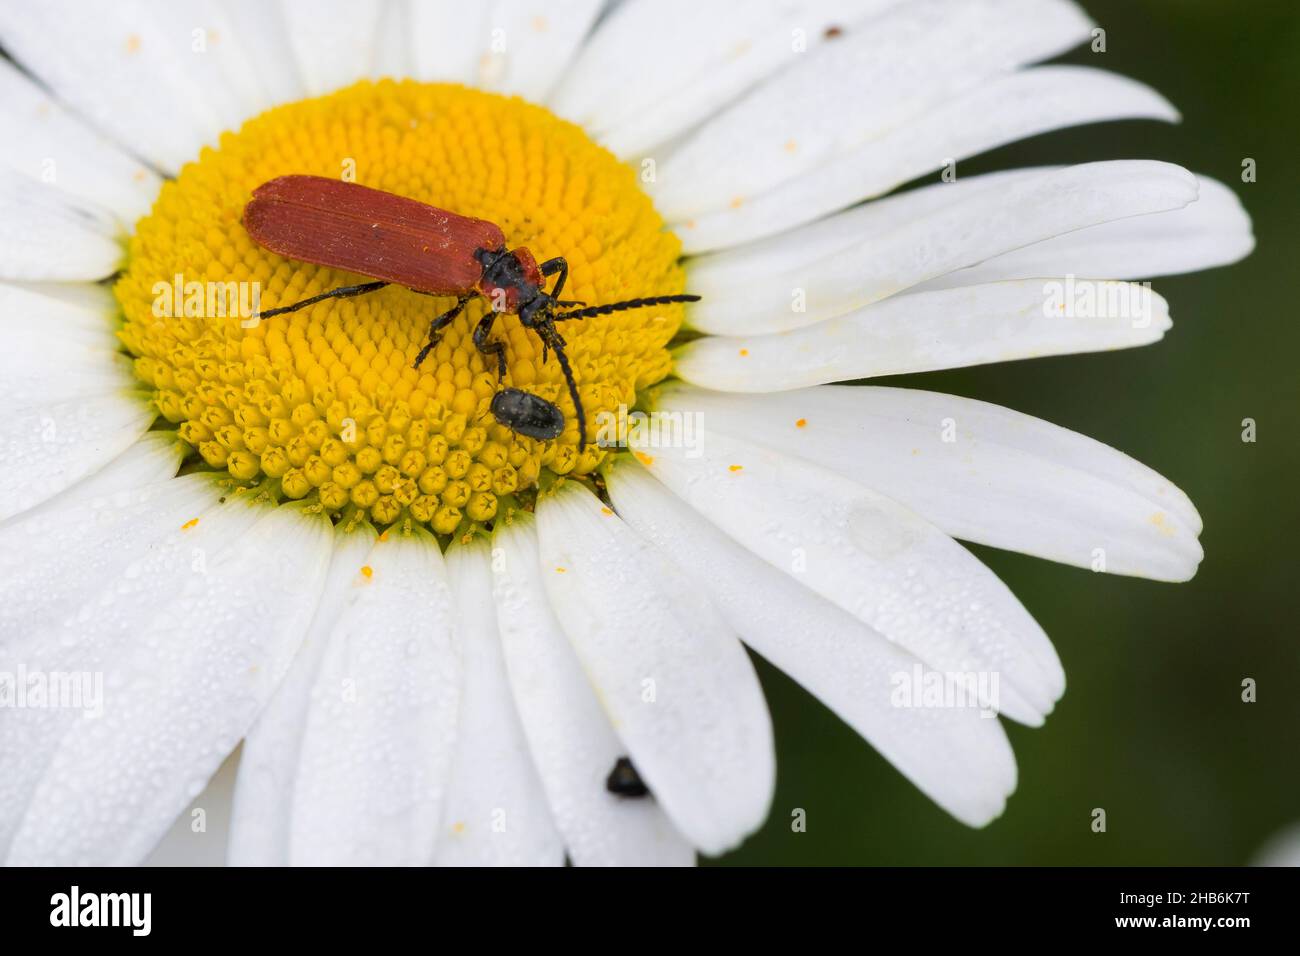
(735, 468)
(458, 827)
(540, 25)
(1161, 521)
(791, 146)
(322, 404)
(737, 202)
(189, 524)
(133, 43)
(801, 423)
(606, 512)
(367, 571)
(744, 352)
(561, 570)
(645, 459)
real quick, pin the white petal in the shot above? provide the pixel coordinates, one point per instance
(674, 680)
(392, 53)
(914, 57)
(46, 448)
(833, 234)
(214, 48)
(537, 41)
(128, 70)
(642, 79)
(955, 755)
(510, 46)
(1213, 231)
(197, 670)
(925, 331)
(261, 825)
(568, 733)
(496, 812)
(874, 558)
(448, 39)
(49, 235)
(333, 41)
(1005, 109)
(380, 730)
(263, 37)
(812, 280)
(56, 350)
(94, 558)
(42, 141)
(1004, 479)
(78, 541)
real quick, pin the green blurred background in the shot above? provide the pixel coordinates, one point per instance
(1152, 726)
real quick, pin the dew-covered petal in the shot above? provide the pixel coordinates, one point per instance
(380, 726)
(913, 58)
(926, 331)
(181, 688)
(570, 737)
(55, 350)
(980, 472)
(496, 812)
(90, 556)
(42, 141)
(786, 283)
(956, 755)
(80, 539)
(131, 69)
(510, 46)
(676, 683)
(642, 79)
(48, 447)
(866, 553)
(261, 817)
(48, 235)
(1003, 110)
(1213, 231)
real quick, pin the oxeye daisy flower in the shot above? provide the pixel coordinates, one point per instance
(441, 641)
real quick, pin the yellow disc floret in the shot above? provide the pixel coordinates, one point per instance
(323, 403)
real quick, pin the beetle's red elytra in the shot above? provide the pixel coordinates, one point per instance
(400, 241)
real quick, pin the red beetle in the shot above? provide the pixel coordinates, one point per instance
(400, 241)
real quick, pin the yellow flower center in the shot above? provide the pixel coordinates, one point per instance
(323, 402)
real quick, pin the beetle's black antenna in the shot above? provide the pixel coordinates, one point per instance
(546, 332)
(606, 309)
(342, 292)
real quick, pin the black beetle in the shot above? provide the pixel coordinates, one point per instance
(624, 781)
(527, 414)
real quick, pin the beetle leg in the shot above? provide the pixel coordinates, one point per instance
(342, 292)
(550, 267)
(498, 348)
(436, 327)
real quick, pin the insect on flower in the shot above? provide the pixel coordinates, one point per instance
(401, 241)
(624, 781)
